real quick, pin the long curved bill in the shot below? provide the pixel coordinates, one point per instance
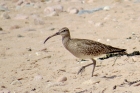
(51, 36)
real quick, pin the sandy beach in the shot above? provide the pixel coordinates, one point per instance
(29, 66)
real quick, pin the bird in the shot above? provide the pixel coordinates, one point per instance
(85, 48)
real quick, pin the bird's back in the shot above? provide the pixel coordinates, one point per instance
(83, 48)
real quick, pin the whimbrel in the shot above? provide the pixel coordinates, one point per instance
(84, 48)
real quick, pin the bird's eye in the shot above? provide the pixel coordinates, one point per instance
(64, 30)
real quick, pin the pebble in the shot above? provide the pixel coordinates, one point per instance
(77, 1)
(137, 1)
(51, 84)
(48, 1)
(133, 33)
(134, 59)
(19, 35)
(5, 15)
(91, 22)
(99, 24)
(57, 1)
(62, 79)
(106, 8)
(72, 10)
(2, 8)
(129, 37)
(21, 17)
(15, 82)
(90, 11)
(18, 7)
(37, 5)
(89, 1)
(38, 78)
(20, 2)
(50, 11)
(107, 40)
(107, 17)
(99, 40)
(15, 27)
(58, 8)
(53, 11)
(5, 91)
(38, 21)
(1, 29)
(88, 82)
(52, 29)
(30, 29)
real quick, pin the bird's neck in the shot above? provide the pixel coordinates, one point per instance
(65, 39)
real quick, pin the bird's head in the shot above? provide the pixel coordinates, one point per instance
(63, 32)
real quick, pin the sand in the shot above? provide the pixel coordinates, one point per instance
(29, 66)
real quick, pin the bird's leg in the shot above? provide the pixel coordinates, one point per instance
(115, 61)
(83, 67)
(120, 54)
(94, 64)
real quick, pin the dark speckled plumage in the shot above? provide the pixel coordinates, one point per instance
(89, 48)
(84, 48)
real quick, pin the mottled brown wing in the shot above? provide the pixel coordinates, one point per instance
(95, 48)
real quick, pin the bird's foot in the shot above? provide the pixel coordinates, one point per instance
(82, 69)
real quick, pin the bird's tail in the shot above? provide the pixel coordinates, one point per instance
(117, 50)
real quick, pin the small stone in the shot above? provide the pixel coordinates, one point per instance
(3, 87)
(21, 17)
(137, 1)
(99, 24)
(107, 40)
(99, 40)
(38, 21)
(5, 91)
(20, 2)
(33, 89)
(18, 7)
(2, 8)
(29, 49)
(50, 11)
(37, 5)
(57, 1)
(62, 79)
(134, 59)
(129, 38)
(38, 78)
(1, 29)
(114, 87)
(72, 10)
(115, 20)
(30, 29)
(107, 17)
(52, 29)
(58, 8)
(88, 82)
(37, 53)
(91, 22)
(15, 27)
(20, 35)
(107, 8)
(44, 0)
(15, 82)
(89, 1)
(5, 15)
(133, 33)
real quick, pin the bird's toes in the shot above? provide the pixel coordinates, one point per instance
(81, 70)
